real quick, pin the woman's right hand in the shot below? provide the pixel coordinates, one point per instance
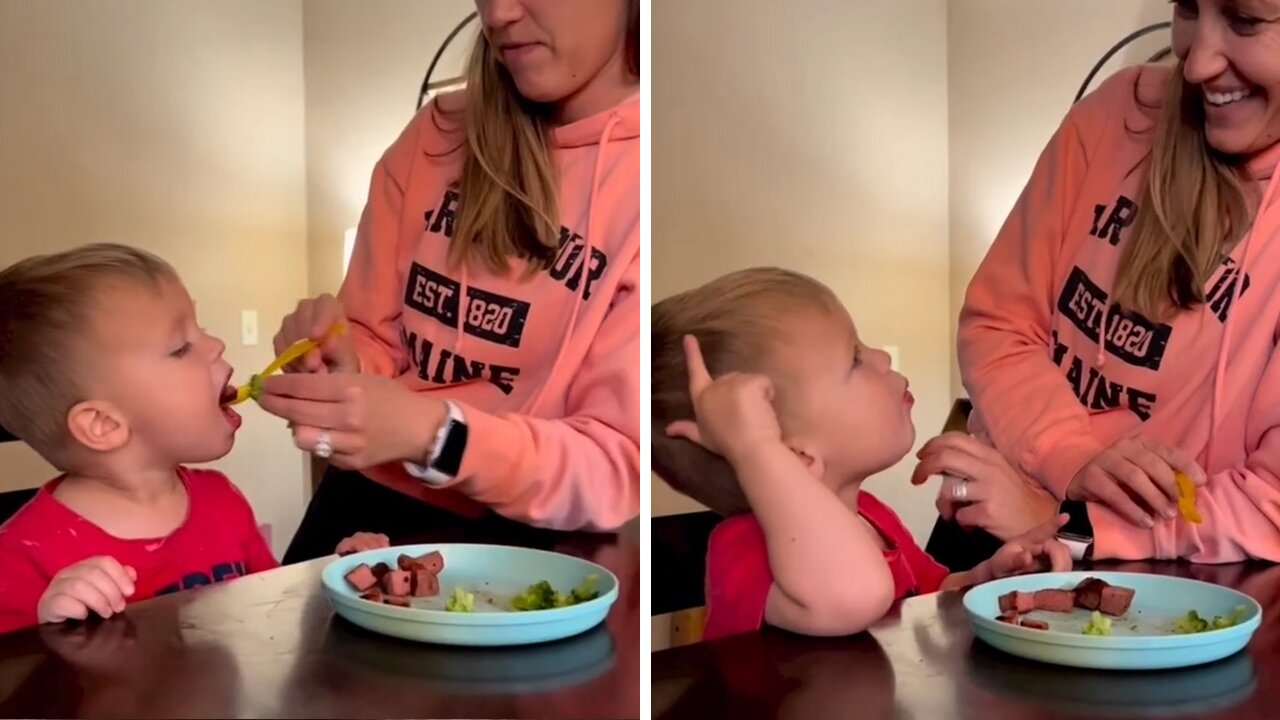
(312, 320)
(1135, 478)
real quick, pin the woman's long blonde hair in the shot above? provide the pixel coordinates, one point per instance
(509, 186)
(1195, 207)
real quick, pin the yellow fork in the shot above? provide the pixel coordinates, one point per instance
(254, 388)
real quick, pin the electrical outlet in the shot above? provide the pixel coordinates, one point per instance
(249, 328)
(893, 357)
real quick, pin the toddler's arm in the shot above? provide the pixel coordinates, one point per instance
(830, 578)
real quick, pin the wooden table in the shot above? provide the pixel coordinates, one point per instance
(269, 645)
(922, 662)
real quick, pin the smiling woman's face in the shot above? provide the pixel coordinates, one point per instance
(555, 49)
(1231, 53)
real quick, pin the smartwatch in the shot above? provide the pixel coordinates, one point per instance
(1077, 533)
(445, 459)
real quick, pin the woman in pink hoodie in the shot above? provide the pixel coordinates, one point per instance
(487, 369)
(1123, 325)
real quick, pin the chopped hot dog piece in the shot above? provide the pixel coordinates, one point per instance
(1034, 624)
(397, 601)
(432, 561)
(425, 583)
(410, 563)
(1089, 592)
(361, 577)
(397, 583)
(1009, 617)
(381, 569)
(1116, 600)
(1055, 600)
(1017, 602)
(372, 595)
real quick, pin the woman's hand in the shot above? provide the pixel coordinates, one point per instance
(1135, 478)
(734, 412)
(996, 498)
(367, 420)
(312, 320)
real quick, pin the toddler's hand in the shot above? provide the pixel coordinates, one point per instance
(362, 541)
(734, 412)
(1035, 551)
(99, 585)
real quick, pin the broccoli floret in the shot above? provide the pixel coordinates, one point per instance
(255, 388)
(541, 596)
(1098, 625)
(587, 590)
(1193, 623)
(462, 601)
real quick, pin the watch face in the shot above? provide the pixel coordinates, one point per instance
(455, 443)
(1078, 525)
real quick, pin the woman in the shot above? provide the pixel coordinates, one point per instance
(485, 361)
(1108, 340)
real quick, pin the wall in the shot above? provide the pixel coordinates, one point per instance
(813, 139)
(1013, 68)
(364, 64)
(177, 127)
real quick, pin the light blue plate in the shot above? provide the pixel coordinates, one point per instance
(1143, 639)
(495, 573)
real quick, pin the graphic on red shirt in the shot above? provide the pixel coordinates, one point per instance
(738, 576)
(218, 541)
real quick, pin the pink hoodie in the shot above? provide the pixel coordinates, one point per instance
(1052, 394)
(545, 369)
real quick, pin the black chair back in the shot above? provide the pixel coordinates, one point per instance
(679, 560)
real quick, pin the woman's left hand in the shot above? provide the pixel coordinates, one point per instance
(995, 497)
(366, 420)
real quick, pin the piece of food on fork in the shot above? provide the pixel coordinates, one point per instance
(253, 390)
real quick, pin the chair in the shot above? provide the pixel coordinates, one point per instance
(11, 502)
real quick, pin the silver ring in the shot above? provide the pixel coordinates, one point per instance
(324, 446)
(960, 490)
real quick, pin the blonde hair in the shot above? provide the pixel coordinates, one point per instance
(47, 301)
(737, 320)
(509, 185)
(1195, 207)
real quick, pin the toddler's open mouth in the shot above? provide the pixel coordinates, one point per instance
(228, 394)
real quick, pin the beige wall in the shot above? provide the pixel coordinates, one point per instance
(177, 127)
(364, 64)
(812, 135)
(1013, 68)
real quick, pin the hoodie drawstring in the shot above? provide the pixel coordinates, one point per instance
(462, 309)
(586, 261)
(1237, 288)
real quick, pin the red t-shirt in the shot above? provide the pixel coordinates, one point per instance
(738, 575)
(218, 541)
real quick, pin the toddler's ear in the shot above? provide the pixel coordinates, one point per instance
(812, 461)
(98, 426)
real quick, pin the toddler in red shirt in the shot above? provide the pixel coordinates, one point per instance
(764, 368)
(106, 373)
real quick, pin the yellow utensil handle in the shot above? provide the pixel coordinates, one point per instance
(297, 350)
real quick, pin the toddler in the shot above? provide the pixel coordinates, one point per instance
(764, 369)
